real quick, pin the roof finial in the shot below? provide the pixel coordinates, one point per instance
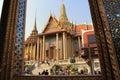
(50, 13)
(35, 21)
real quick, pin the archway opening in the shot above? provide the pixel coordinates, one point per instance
(61, 33)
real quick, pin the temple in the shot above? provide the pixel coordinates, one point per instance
(59, 40)
(105, 17)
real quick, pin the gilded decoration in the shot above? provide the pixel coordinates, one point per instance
(104, 18)
(19, 37)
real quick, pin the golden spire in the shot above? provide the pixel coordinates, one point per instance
(63, 16)
(35, 28)
(50, 13)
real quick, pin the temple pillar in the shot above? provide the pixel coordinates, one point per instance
(72, 46)
(31, 52)
(28, 52)
(64, 46)
(43, 47)
(57, 48)
(37, 56)
(34, 52)
(69, 47)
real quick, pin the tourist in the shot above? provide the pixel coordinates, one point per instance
(95, 72)
(81, 72)
(43, 73)
(39, 73)
(46, 72)
(57, 72)
(99, 72)
(60, 72)
(67, 72)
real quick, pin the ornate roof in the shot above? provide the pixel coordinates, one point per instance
(55, 26)
(33, 36)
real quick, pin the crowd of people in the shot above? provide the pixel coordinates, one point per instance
(97, 72)
(44, 72)
(62, 72)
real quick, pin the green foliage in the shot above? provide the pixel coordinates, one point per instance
(27, 66)
(74, 70)
(55, 66)
(69, 66)
(85, 70)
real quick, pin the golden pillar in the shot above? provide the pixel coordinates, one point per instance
(34, 51)
(33, 47)
(31, 52)
(64, 45)
(38, 45)
(69, 47)
(43, 47)
(57, 48)
(72, 46)
(28, 52)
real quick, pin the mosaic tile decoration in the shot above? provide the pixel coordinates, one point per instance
(19, 37)
(112, 9)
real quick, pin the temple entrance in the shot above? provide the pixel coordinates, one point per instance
(52, 52)
(47, 53)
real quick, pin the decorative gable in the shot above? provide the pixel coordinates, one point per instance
(52, 25)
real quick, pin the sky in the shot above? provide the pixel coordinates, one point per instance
(76, 10)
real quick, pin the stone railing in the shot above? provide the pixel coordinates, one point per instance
(88, 77)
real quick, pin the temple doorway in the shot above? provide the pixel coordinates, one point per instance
(52, 52)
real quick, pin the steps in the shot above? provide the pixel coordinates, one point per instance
(46, 66)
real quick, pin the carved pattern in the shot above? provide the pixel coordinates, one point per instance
(108, 60)
(19, 37)
(112, 9)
